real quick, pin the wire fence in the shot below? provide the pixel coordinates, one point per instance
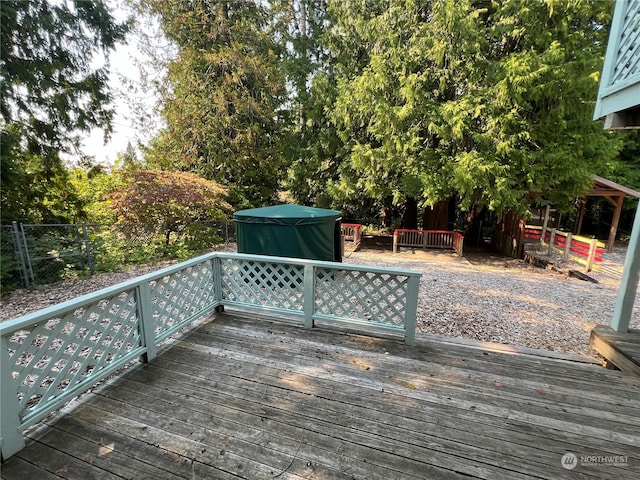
(33, 255)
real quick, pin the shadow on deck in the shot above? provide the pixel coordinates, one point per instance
(246, 398)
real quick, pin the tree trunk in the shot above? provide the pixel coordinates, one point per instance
(436, 218)
(410, 218)
(475, 219)
(386, 216)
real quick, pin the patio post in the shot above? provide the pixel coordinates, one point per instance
(309, 295)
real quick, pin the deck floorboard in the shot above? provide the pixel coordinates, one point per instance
(622, 349)
(240, 398)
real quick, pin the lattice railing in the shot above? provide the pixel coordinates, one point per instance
(627, 62)
(619, 90)
(263, 285)
(50, 356)
(379, 299)
(73, 348)
(178, 297)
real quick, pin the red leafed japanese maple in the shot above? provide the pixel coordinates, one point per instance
(168, 201)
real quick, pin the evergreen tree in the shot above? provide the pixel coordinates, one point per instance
(311, 143)
(49, 92)
(221, 97)
(489, 101)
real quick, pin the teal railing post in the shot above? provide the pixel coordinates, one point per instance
(309, 295)
(145, 321)
(411, 310)
(11, 439)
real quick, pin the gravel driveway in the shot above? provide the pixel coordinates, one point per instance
(481, 297)
(497, 299)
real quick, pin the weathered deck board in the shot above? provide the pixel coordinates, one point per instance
(240, 398)
(400, 432)
(447, 367)
(621, 349)
(487, 399)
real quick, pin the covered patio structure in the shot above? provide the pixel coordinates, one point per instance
(615, 194)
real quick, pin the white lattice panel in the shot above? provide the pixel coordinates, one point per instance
(58, 354)
(262, 284)
(177, 297)
(378, 298)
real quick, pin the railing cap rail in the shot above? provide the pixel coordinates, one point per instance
(428, 231)
(318, 263)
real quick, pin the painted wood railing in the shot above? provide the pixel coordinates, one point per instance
(586, 251)
(352, 232)
(50, 356)
(428, 239)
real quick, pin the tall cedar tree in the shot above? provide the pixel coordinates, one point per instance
(49, 93)
(489, 101)
(311, 142)
(222, 93)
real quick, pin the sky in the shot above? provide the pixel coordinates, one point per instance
(124, 80)
(124, 130)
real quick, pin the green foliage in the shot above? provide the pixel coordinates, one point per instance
(221, 94)
(117, 245)
(361, 105)
(538, 101)
(167, 202)
(129, 244)
(314, 153)
(9, 266)
(487, 102)
(49, 92)
(55, 255)
(625, 168)
(49, 198)
(93, 186)
(309, 140)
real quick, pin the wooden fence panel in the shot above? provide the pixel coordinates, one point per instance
(428, 239)
(584, 250)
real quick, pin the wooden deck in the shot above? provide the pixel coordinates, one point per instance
(621, 349)
(242, 398)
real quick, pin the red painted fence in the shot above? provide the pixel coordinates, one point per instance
(584, 250)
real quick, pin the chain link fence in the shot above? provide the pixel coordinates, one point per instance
(46, 253)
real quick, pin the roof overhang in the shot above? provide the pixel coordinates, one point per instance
(607, 188)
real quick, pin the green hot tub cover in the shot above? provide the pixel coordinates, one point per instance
(290, 231)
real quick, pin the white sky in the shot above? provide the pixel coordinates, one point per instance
(123, 124)
(125, 81)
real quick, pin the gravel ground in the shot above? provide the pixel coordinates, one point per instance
(481, 297)
(500, 300)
